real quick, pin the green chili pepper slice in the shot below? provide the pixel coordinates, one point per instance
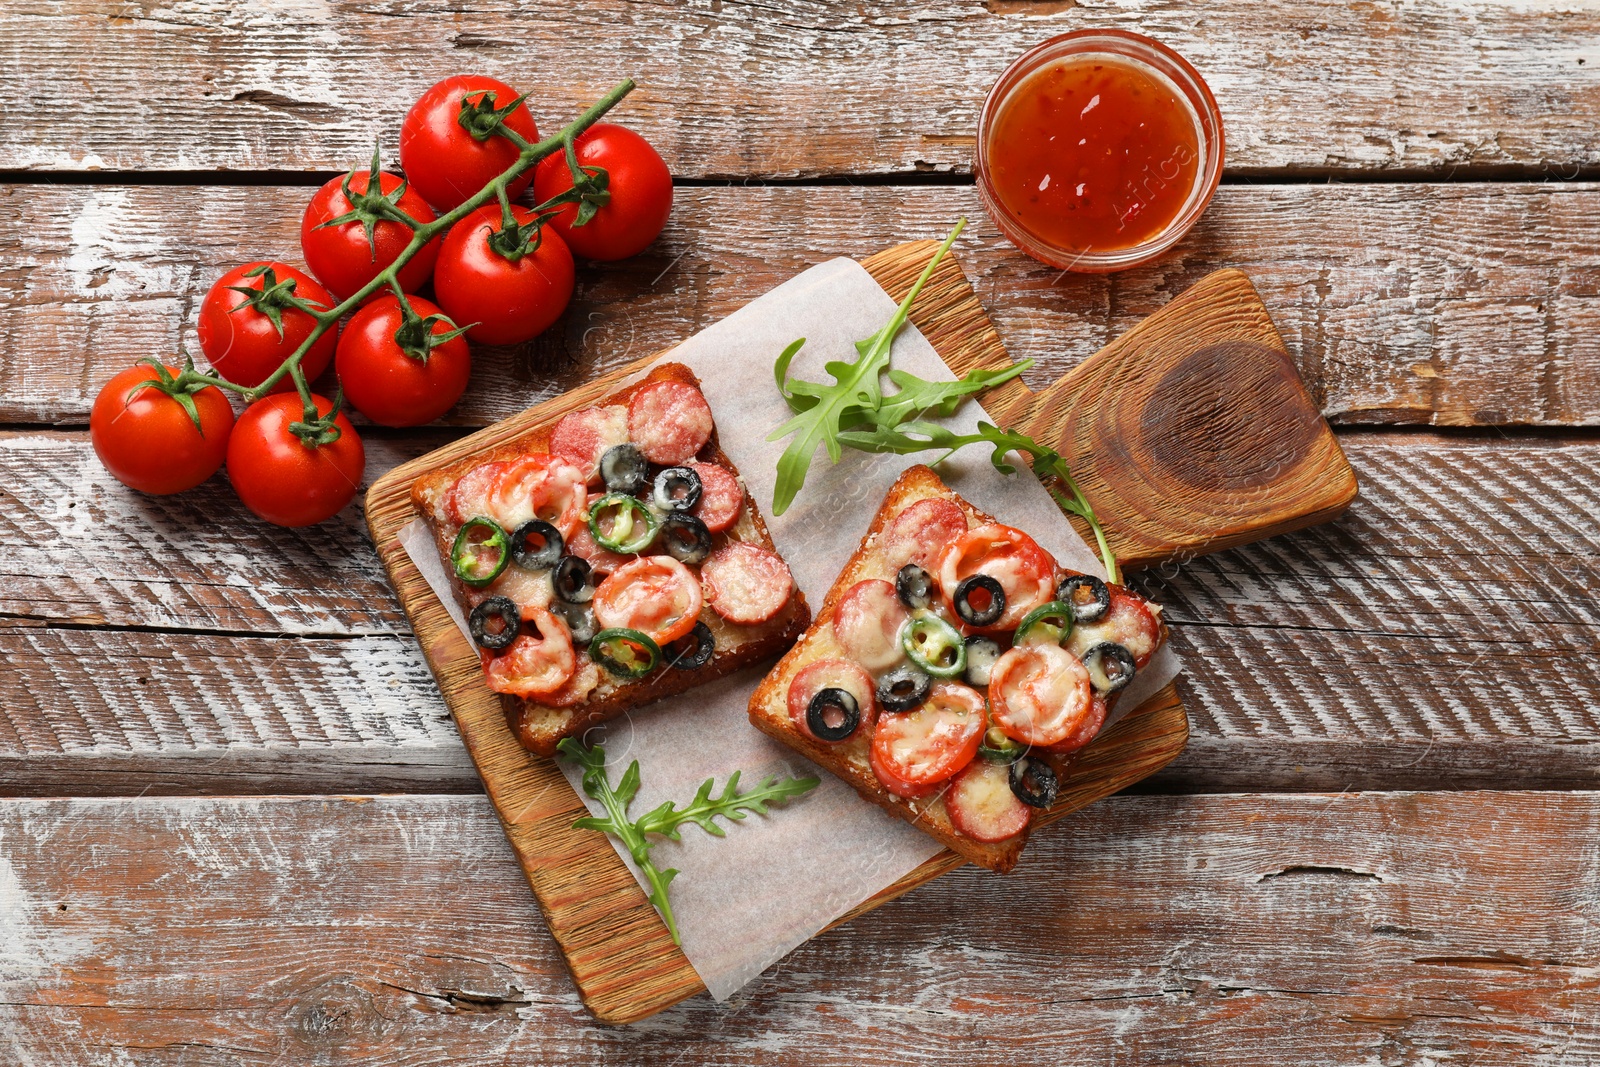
(996, 745)
(632, 526)
(934, 646)
(480, 552)
(624, 652)
(1050, 623)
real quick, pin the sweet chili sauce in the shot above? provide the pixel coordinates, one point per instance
(1092, 153)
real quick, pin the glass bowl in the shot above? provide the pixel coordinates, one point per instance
(1155, 60)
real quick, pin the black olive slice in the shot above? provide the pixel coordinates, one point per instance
(1034, 782)
(686, 538)
(676, 489)
(833, 714)
(981, 655)
(1088, 595)
(624, 469)
(992, 599)
(495, 622)
(915, 586)
(579, 618)
(536, 545)
(693, 650)
(572, 579)
(903, 688)
(1110, 665)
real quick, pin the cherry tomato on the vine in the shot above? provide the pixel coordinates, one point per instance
(241, 339)
(506, 301)
(447, 162)
(341, 256)
(640, 187)
(147, 440)
(394, 387)
(281, 478)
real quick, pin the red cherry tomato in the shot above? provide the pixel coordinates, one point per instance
(391, 386)
(539, 486)
(654, 594)
(641, 193)
(341, 256)
(242, 343)
(914, 751)
(508, 302)
(284, 480)
(541, 660)
(148, 442)
(1039, 694)
(1025, 571)
(443, 160)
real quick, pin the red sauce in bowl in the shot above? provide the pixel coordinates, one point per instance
(1098, 150)
(1094, 154)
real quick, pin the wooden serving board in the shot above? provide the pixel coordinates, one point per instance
(1190, 434)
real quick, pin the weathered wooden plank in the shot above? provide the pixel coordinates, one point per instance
(1444, 631)
(810, 88)
(1449, 304)
(1385, 928)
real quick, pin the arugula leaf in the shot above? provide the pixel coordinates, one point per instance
(823, 410)
(917, 397)
(665, 820)
(854, 412)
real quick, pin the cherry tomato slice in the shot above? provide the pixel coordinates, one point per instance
(540, 486)
(656, 595)
(1039, 694)
(914, 751)
(1086, 731)
(1025, 571)
(539, 661)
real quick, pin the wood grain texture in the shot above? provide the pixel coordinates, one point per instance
(1192, 432)
(1369, 653)
(734, 89)
(623, 961)
(1401, 929)
(1459, 304)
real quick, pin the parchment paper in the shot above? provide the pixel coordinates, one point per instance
(744, 901)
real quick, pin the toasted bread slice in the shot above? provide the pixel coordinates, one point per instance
(541, 726)
(769, 709)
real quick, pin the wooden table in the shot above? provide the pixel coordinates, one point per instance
(239, 827)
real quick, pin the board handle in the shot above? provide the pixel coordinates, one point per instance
(1191, 433)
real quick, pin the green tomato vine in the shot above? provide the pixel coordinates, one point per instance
(369, 207)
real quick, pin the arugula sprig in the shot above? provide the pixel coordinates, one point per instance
(665, 820)
(854, 412)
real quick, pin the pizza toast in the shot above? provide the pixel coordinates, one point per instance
(954, 670)
(610, 558)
